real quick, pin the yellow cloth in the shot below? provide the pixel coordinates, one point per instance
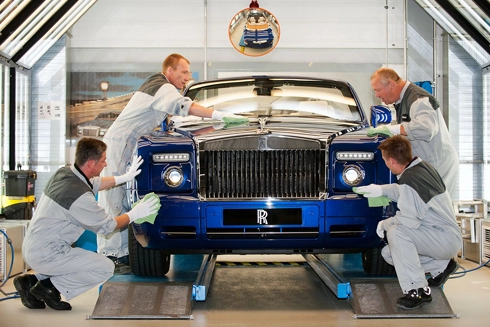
(151, 218)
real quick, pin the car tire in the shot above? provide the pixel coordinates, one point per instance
(373, 263)
(146, 262)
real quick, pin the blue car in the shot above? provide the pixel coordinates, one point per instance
(279, 184)
(257, 32)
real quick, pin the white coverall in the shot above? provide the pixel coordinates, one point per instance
(66, 209)
(148, 107)
(424, 234)
(428, 133)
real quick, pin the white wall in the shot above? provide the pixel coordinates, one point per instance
(320, 31)
(346, 39)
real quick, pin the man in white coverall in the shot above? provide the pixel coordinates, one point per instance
(66, 209)
(423, 236)
(418, 118)
(158, 97)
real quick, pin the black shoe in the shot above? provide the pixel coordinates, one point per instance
(440, 279)
(23, 285)
(414, 298)
(51, 296)
(120, 261)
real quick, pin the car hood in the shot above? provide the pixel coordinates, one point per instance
(304, 128)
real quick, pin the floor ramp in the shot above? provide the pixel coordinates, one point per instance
(376, 298)
(144, 300)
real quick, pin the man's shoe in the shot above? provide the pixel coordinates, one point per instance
(50, 295)
(414, 298)
(23, 285)
(440, 279)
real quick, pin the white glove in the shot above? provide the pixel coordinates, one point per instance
(218, 115)
(132, 172)
(394, 129)
(380, 231)
(146, 207)
(370, 191)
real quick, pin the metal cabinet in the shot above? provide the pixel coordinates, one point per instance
(15, 230)
(470, 216)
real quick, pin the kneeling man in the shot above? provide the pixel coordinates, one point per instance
(423, 236)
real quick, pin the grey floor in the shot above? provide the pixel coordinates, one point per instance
(267, 295)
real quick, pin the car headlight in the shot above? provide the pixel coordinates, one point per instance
(173, 177)
(352, 175)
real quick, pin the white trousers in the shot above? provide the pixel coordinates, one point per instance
(415, 252)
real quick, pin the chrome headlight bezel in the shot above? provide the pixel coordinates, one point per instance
(353, 175)
(173, 177)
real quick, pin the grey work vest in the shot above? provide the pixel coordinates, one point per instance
(412, 94)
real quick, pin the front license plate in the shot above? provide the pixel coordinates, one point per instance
(262, 217)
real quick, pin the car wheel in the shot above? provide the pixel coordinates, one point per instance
(146, 262)
(374, 263)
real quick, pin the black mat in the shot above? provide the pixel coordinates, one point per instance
(266, 288)
(144, 300)
(376, 298)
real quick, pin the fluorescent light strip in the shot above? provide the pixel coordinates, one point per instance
(30, 26)
(456, 31)
(12, 10)
(55, 33)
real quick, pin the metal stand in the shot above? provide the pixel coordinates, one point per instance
(203, 280)
(339, 286)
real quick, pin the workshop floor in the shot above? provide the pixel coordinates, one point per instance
(287, 295)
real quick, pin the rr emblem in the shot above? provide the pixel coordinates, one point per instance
(262, 217)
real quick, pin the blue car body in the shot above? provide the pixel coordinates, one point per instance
(259, 39)
(281, 183)
(258, 33)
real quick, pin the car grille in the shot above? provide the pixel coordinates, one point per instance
(90, 131)
(237, 174)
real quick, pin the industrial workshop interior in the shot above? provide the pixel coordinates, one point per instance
(244, 163)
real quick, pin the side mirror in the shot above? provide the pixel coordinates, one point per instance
(380, 114)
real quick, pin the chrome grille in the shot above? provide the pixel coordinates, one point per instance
(90, 132)
(236, 174)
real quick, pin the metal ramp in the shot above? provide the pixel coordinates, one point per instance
(160, 299)
(143, 300)
(376, 297)
(154, 300)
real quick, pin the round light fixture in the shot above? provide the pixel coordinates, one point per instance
(352, 175)
(173, 177)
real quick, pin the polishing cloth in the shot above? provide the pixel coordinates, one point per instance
(151, 218)
(379, 201)
(381, 130)
(234, 121)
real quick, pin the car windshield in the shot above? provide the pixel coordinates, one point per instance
(281, 98)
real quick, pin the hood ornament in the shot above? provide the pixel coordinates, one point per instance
(262, 130)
